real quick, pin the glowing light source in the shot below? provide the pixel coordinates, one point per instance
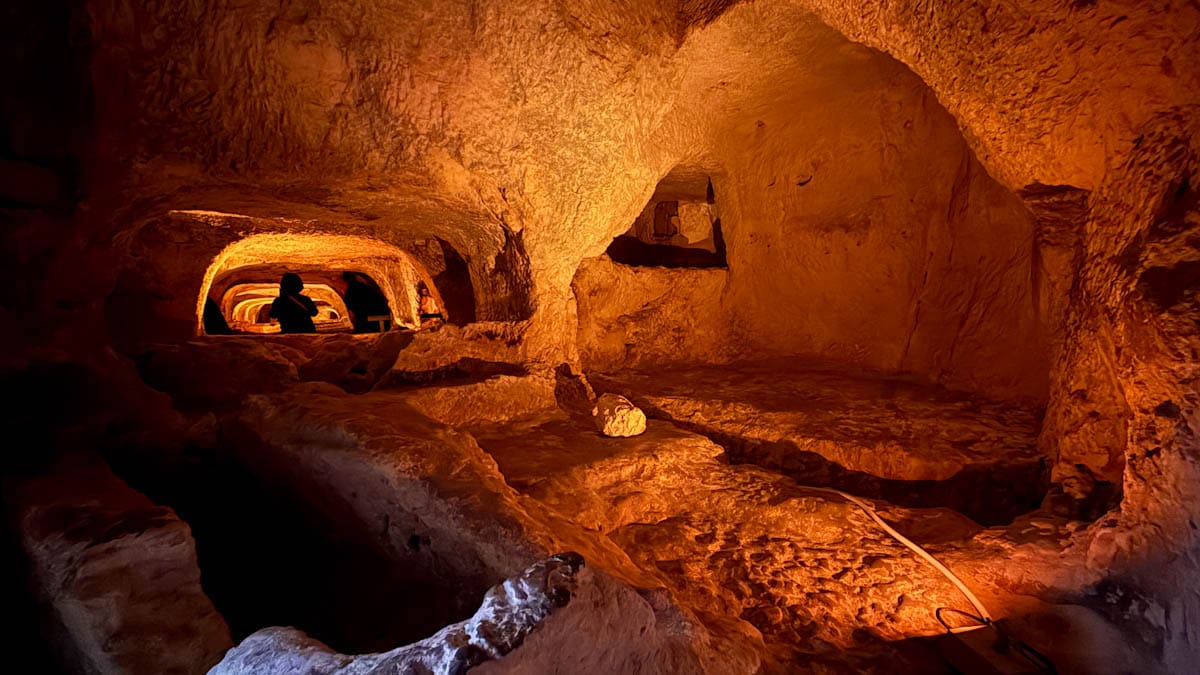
(245, 306)
(395, 271)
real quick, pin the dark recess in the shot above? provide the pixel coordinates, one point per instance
(629, 250)
(454, 285)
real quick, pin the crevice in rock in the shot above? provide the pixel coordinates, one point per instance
(463, 371)
(989, 495)
(267, 560)
(35, 653)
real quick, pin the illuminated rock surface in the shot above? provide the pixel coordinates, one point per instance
(803, 567)
(956, 274)
(434, 502)
(616, 416)
(886, 436)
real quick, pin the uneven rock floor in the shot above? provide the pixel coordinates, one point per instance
(720, 501)
(808, 570)
(907, 442)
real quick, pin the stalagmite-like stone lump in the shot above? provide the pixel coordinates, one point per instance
(616, 416)
(939, 255)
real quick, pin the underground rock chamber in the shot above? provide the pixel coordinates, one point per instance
(763, 336)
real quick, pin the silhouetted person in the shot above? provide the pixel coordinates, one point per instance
(293, 310)
(431, 314)
(365, 302)
(214, 320)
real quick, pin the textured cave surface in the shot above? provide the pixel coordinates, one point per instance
(941, 256)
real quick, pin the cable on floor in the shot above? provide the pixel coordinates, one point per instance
(982, 619)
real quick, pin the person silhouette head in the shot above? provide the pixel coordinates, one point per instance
(290, 284)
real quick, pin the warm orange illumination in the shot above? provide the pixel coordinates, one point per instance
(395, 271)
(246, 305)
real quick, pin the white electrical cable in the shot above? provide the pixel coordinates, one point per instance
(926, 555)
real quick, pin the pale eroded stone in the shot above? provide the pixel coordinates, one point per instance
(615, 415)
(115, 574)
(510, 611)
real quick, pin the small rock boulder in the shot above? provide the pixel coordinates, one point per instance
(616, 416)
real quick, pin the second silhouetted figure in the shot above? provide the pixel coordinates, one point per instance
(367, 304)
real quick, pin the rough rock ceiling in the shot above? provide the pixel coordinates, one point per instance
(528, 134)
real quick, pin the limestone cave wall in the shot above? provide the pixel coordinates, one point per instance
(997, 195)
(860, 227)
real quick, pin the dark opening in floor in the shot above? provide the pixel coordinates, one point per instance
(267, 561)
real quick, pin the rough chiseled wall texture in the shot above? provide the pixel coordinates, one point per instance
(860, 227)
(1046, 92)
(526, 116)
(1095, 95)
(1137, 320)
(649, 316)
(555, 122)
(550, 126)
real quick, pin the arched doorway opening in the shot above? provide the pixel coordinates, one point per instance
(242, 282)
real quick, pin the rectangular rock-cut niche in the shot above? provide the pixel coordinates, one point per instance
(679, 227)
